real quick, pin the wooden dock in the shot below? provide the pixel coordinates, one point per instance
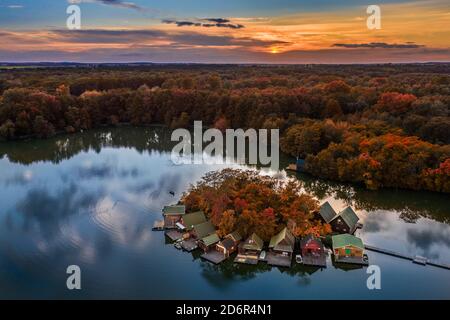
(414, 259)
(213, 256)
(278, 260)
(174, 235)
(189, 245)
(158, 225)
(315, 261)
(352, 260)
(246, 259)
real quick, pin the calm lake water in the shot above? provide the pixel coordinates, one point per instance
(91, 199)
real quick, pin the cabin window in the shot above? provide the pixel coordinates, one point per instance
(348, 251)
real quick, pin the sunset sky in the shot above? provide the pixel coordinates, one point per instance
(218, 31)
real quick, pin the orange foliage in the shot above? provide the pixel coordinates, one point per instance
(249, 202)
(395, 102)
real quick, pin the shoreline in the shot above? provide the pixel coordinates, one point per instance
(32, 138)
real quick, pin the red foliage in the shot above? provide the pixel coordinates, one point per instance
(395, 102)
(251, 203)
(240, 204)
(444, 169)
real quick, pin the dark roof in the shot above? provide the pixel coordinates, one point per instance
(191, 219)
(327, 212)
(253, 243)
(204, 229)
(350, 217)
(227, 243)
(174, 210)
(235, 235)
(210, 239)
(307, 239)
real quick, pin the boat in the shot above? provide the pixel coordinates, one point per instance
(158, 225)
(420, 260)
(298, 166)
(292, 167)
(262, 255)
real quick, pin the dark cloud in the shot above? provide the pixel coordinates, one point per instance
(212, 22)
(106, 36)
(431, 242)
(182, 23)
(229, 25)
(48, 212)
(105, 170)
(425, 239)
(408, 45)
(372, 224)
(217, 20)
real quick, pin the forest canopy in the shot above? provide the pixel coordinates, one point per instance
(247, 201)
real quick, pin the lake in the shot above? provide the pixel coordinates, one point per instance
(90, 199)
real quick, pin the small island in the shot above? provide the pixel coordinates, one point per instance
(239, 211)
(259, 218)
(249, 202)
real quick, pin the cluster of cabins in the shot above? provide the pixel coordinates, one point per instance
(190, 231)
(346, 247)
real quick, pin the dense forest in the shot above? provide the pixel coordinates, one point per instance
(378, 125)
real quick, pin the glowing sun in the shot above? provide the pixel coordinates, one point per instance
(274, 50)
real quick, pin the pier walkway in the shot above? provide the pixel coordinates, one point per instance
(414, 259)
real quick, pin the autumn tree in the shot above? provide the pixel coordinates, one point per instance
(249, 202)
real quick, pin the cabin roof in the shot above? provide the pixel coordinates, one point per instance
(210, 239)
(307, 239)
(284, 247)
(327, 212)
(236, 236)
(343, 240)
(227, 243)
(254, 242)
(204, 229)
(349, 216)
(174, 210)
(282, 235)
(192, 219)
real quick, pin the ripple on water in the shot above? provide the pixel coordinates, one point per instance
(127, 224)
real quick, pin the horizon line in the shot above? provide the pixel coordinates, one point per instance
(225, 64)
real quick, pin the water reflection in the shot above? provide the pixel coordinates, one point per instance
(411, 205)
(62, 148)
